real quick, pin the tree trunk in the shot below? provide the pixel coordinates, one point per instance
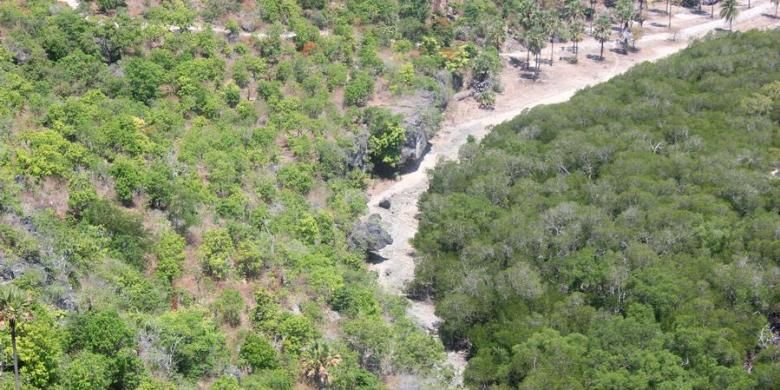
(552, 50)
(670, 14)
(601, 54)
(17, 384)
(748, 3)
(528, 59)
(712, 11)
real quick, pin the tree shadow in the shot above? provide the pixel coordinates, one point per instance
(595, 57)
(375, 258)
(770, 16)
(700, 12)
(656, 24)
(658, 11)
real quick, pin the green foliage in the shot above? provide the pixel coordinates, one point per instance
(102, 332)
(216, 253)
(612, 238)
(296, 177)
(228, 307)
(144, 79)
(87, 371)
(387, 136)
(169, 251)
(257, 354)
(355, 300)
(193, 339)
(50, 154)
(359, 90)
(128, 237)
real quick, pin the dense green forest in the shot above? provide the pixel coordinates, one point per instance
(627, 239)
(180, 183)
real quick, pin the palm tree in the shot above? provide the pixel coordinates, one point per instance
(602, 32)
(14, 307)
(315, 364)
(729, 12)
(536, 40)
(577, 31)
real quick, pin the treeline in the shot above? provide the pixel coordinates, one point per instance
(625, 239)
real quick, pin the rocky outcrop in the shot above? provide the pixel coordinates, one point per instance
(358, 157)
(369, 235)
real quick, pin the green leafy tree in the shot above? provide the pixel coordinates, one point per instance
(144, 79)
(169, 251)
(88, 371)
(359, 90)
(387, 136)
(216, 253)
(257, 353)
(102, 332)
(228, 307)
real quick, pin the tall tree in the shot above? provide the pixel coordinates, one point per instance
(602, 32)
(14, 307)
(729, 12)
(577, 32)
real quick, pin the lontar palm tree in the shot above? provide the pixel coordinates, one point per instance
(729, 12)
(602, 32)
(14, 308)
(316, 362)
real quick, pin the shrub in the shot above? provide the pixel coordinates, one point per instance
(169, 251)
(359, 90)
(100, 331)
(216, 253)
(87, 371)
(228, 307)
(297, 177)
(257, 354)
(193, 339)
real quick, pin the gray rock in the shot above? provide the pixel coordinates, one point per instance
(369, 235)
(20, 54)
(358, 157)
(247, 25)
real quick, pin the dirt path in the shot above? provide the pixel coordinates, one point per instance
(463, 119)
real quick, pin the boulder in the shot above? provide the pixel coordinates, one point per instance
(358, 157)
(247, 25)
(369, 235)
(385, 204)
(20, 55)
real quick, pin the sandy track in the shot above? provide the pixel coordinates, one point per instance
(463, 119)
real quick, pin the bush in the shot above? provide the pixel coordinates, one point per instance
(101, 332)
(169, 251)
(87, 371)
(354, 300)
(228, 307)
(297, 177)
(257, 354)
(216, 253)
(193, 339)
(359, 90)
